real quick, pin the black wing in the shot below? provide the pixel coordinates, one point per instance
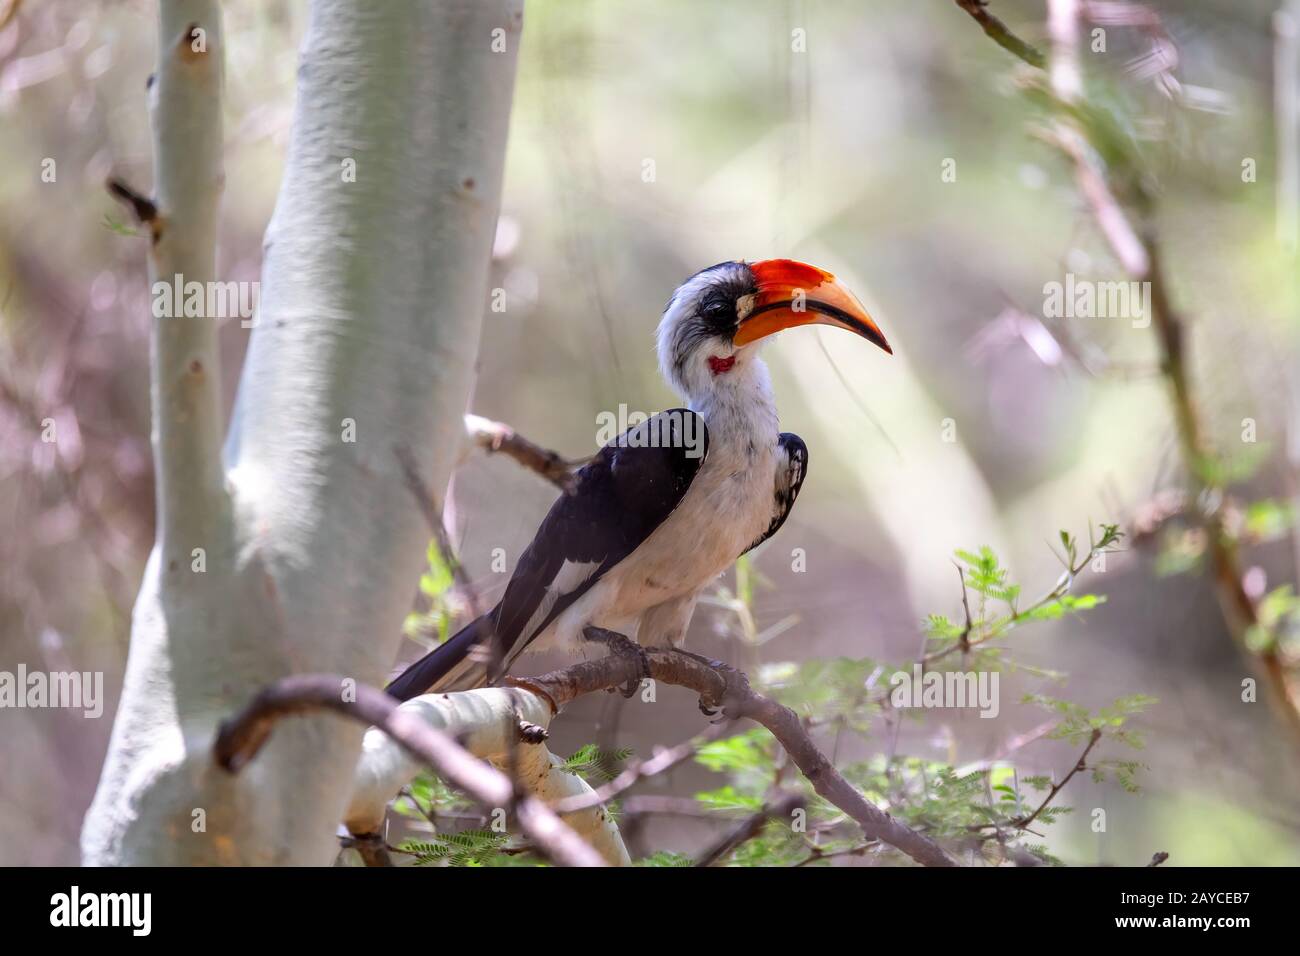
(632, 485)
(621, 496)
(789, 479)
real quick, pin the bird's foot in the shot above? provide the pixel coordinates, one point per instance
(621, 646)
(735, 686)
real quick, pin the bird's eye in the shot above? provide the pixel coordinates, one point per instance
(714, 310)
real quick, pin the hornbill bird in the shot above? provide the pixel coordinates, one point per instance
(663, 509)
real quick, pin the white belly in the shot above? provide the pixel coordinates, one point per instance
(650, 595)
(728, 506)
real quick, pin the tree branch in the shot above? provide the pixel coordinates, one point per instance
(240, 738)
(1080, 764)
(998, 32)
(495, 437)
(751, 827)
(664, 759)
(721, 686)
(142, 207)
(433, 518)
(992, 630)
(1138, 250)
(188, 182)
(1139, 253)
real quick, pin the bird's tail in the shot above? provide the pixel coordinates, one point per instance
(461, 663)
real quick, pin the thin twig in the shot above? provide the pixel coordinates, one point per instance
(654, 804)
(659, 762)
(750, 828)
(964, 641)
(817, 854)
(433, 518)
(1080, 764)
(142, 207)
(495, 437)
(998, 32)
(1000, 626)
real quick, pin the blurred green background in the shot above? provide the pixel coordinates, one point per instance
(834, 155)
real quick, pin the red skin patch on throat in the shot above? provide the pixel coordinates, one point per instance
(720, 365)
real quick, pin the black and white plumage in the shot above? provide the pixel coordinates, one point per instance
(619, 498)
(787, 486)
(665, 508)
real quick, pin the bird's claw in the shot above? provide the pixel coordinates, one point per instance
(622, 646)
(735, 686)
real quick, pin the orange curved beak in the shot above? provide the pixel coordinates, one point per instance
(794, 293)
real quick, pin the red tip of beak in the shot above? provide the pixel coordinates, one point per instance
(784, 274)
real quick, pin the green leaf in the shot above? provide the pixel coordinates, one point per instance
(666, 858)
(740, 752)
(1268, 520)
(589, 760)
(729, 798)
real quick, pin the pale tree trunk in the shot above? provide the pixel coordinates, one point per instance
(372, 292)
